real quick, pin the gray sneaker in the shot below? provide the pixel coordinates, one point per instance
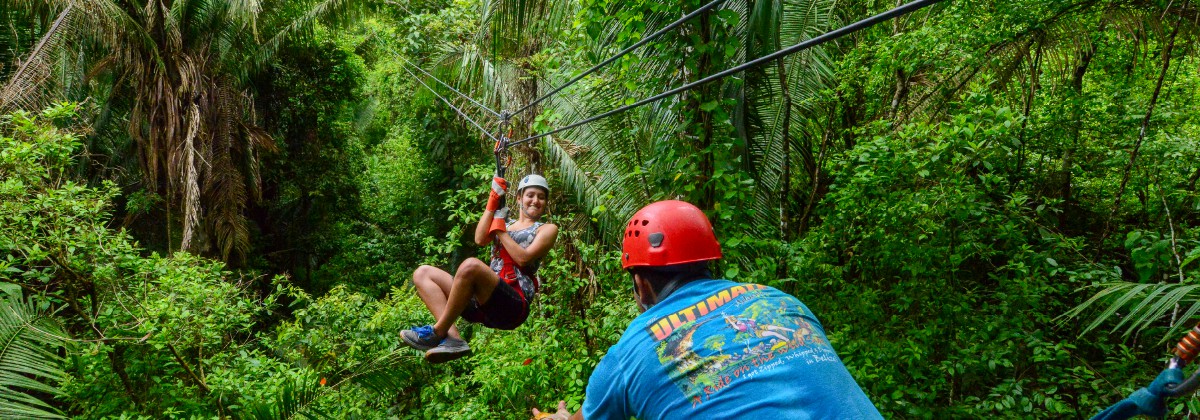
(449, 349)
(420, 338)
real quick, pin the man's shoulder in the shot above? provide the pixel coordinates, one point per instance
(717, 288)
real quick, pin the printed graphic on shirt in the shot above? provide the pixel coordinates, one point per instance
(706, 350)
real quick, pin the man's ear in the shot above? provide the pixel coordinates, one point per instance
(645, 293)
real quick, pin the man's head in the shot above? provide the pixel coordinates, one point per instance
(667, 244)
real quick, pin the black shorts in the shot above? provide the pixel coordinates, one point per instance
(504, 310)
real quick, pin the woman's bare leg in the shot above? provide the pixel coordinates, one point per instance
(433, 286)
(473, 279)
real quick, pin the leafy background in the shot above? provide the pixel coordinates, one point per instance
(213, 208)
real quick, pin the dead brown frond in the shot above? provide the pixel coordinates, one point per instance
(26, 89)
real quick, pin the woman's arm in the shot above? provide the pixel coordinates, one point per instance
(481, 229)
(542, 242)
(495, 205)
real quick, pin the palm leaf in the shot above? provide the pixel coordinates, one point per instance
(807, 74)
(388, 374)
(295, 400)
(25, 89)
(298, 398)
(29, 362)
(329, 11)
(1140, 306)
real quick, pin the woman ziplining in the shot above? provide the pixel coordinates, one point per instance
(497, 295)
(475, 291)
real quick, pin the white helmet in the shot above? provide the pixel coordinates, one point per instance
(533, 180)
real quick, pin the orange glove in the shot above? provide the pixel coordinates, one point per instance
(498, 221)
(496, 197)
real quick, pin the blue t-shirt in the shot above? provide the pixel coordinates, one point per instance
(719, 349)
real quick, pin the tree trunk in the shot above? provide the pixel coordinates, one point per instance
(1065, 172)
(852, 110)
(901, 90)
(1133, 154)
(817, 191)
(703, 68)
(116, 359)
(527, 91)
(785, 183)
(1019, 171)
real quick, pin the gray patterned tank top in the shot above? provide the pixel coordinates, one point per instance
(526, 277)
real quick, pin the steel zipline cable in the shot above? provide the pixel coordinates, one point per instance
(812, 42)
(451, 105)
(485, 108)
(405, 66)
(620, 54)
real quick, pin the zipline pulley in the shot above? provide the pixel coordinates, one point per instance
(503, 158)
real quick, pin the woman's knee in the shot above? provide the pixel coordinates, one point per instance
(423, 274)
(473, 267)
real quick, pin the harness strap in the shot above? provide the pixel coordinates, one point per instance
(508, 273)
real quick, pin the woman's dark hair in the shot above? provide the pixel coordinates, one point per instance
(679, 274)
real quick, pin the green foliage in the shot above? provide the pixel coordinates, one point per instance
(30, 366)
(312, 181)
(968, 197)
(148, 330)
(295, 401)
(1158, 294)
(958, 279)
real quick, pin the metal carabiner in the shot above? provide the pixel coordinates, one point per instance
(503, 158)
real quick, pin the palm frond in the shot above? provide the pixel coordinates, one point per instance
(1138, 306)
(225, 187)
(608, 163)
(189, 174)
(25, 89)
(388, 374)
(298, 399)
(29, 362)
(769, 112)
(295, 400)
(330, 11)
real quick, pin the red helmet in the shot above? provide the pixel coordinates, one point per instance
(667, 233)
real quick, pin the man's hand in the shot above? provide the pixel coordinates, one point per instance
(496, 197)
(562, 413)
